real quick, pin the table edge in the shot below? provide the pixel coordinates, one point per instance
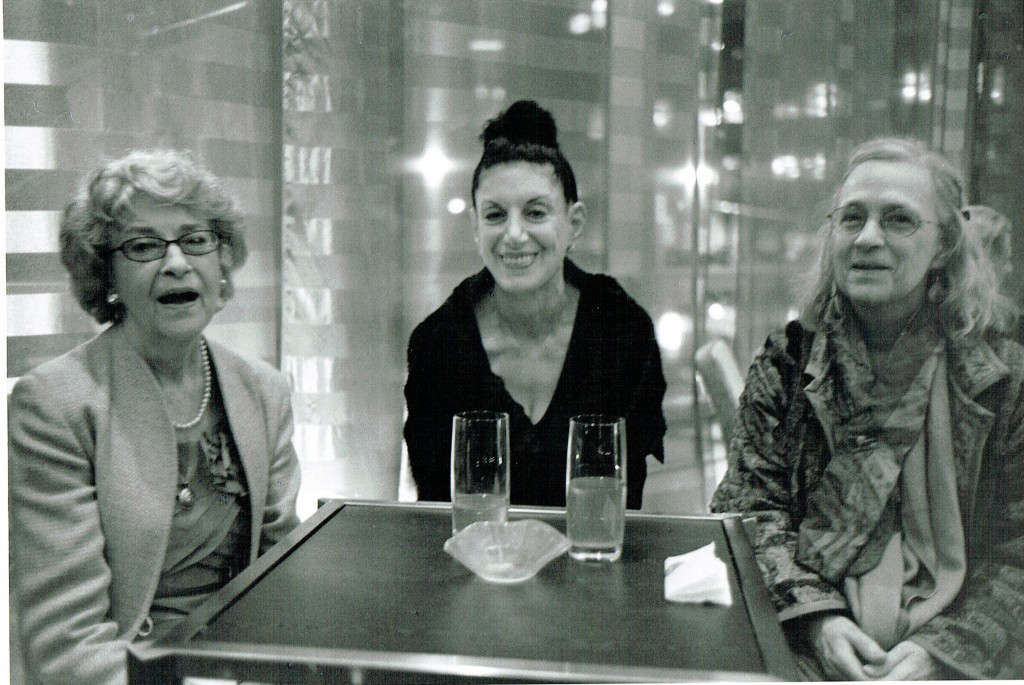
(778, 658)
(449, 666)
(179, 641)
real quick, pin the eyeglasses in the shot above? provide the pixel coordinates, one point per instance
(149, 249)
(897, 221)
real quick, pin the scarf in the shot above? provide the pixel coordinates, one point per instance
(876, 418)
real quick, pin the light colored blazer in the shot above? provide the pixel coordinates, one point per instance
(93, 467)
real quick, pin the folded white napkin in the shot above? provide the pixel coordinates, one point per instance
(697, 577)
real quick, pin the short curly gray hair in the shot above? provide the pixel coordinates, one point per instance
(102, 206)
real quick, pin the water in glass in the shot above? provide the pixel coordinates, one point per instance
(596, 517)
(467, 509)
(595, 495)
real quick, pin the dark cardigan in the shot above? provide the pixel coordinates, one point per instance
(612, 366)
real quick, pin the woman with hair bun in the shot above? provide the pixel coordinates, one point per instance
(531, 334)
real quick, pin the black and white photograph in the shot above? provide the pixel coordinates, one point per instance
(513, 341)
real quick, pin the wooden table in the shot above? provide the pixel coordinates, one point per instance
(363, 592)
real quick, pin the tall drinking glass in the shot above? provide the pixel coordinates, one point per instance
(480, 468)
(595, 495)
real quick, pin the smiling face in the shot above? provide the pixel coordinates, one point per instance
(884, 275)
(523, 226)
(168, 300)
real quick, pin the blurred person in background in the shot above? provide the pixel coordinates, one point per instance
(880, 441)
(148, 466)
(531, 334)
(994, 231)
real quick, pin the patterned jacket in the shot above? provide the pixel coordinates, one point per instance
(779, 451)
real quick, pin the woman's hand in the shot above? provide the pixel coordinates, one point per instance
(846, 652)
(906, 661)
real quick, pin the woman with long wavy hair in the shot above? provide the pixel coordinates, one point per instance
(880, 440)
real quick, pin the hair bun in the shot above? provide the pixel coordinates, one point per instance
(523, 122)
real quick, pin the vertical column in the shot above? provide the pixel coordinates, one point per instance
(341, 281)
(953, 79)
(629, 252)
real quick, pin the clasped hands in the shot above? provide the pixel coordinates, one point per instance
(847, 653)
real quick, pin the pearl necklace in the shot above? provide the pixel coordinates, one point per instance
(207, 389)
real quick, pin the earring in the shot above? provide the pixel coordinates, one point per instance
(936, 293)
(113, 298)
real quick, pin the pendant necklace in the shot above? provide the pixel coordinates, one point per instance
(185, 495)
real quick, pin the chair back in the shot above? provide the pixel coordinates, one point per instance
(723, 381)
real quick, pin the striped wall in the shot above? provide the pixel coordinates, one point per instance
(89, 80)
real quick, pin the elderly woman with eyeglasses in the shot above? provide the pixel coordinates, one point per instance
(148, 466)
(880, 441)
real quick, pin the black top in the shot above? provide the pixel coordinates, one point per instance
(612, 366)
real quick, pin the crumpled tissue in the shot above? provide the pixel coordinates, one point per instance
(697, 577)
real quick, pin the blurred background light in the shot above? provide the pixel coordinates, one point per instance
(672, 331)
(786, 166)
(456, 205)
(732, 107)
(433, 165)
(997, 92)
(721, 321)
(707, 175)
(599, 13)
(486, 45)
(915, 86)
(687, 174)
(580, 23)
(817, 100)
(710, 116)
(662, 113)
(596, 124)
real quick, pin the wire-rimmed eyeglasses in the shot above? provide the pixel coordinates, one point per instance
(896, 221)
(151, 248)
